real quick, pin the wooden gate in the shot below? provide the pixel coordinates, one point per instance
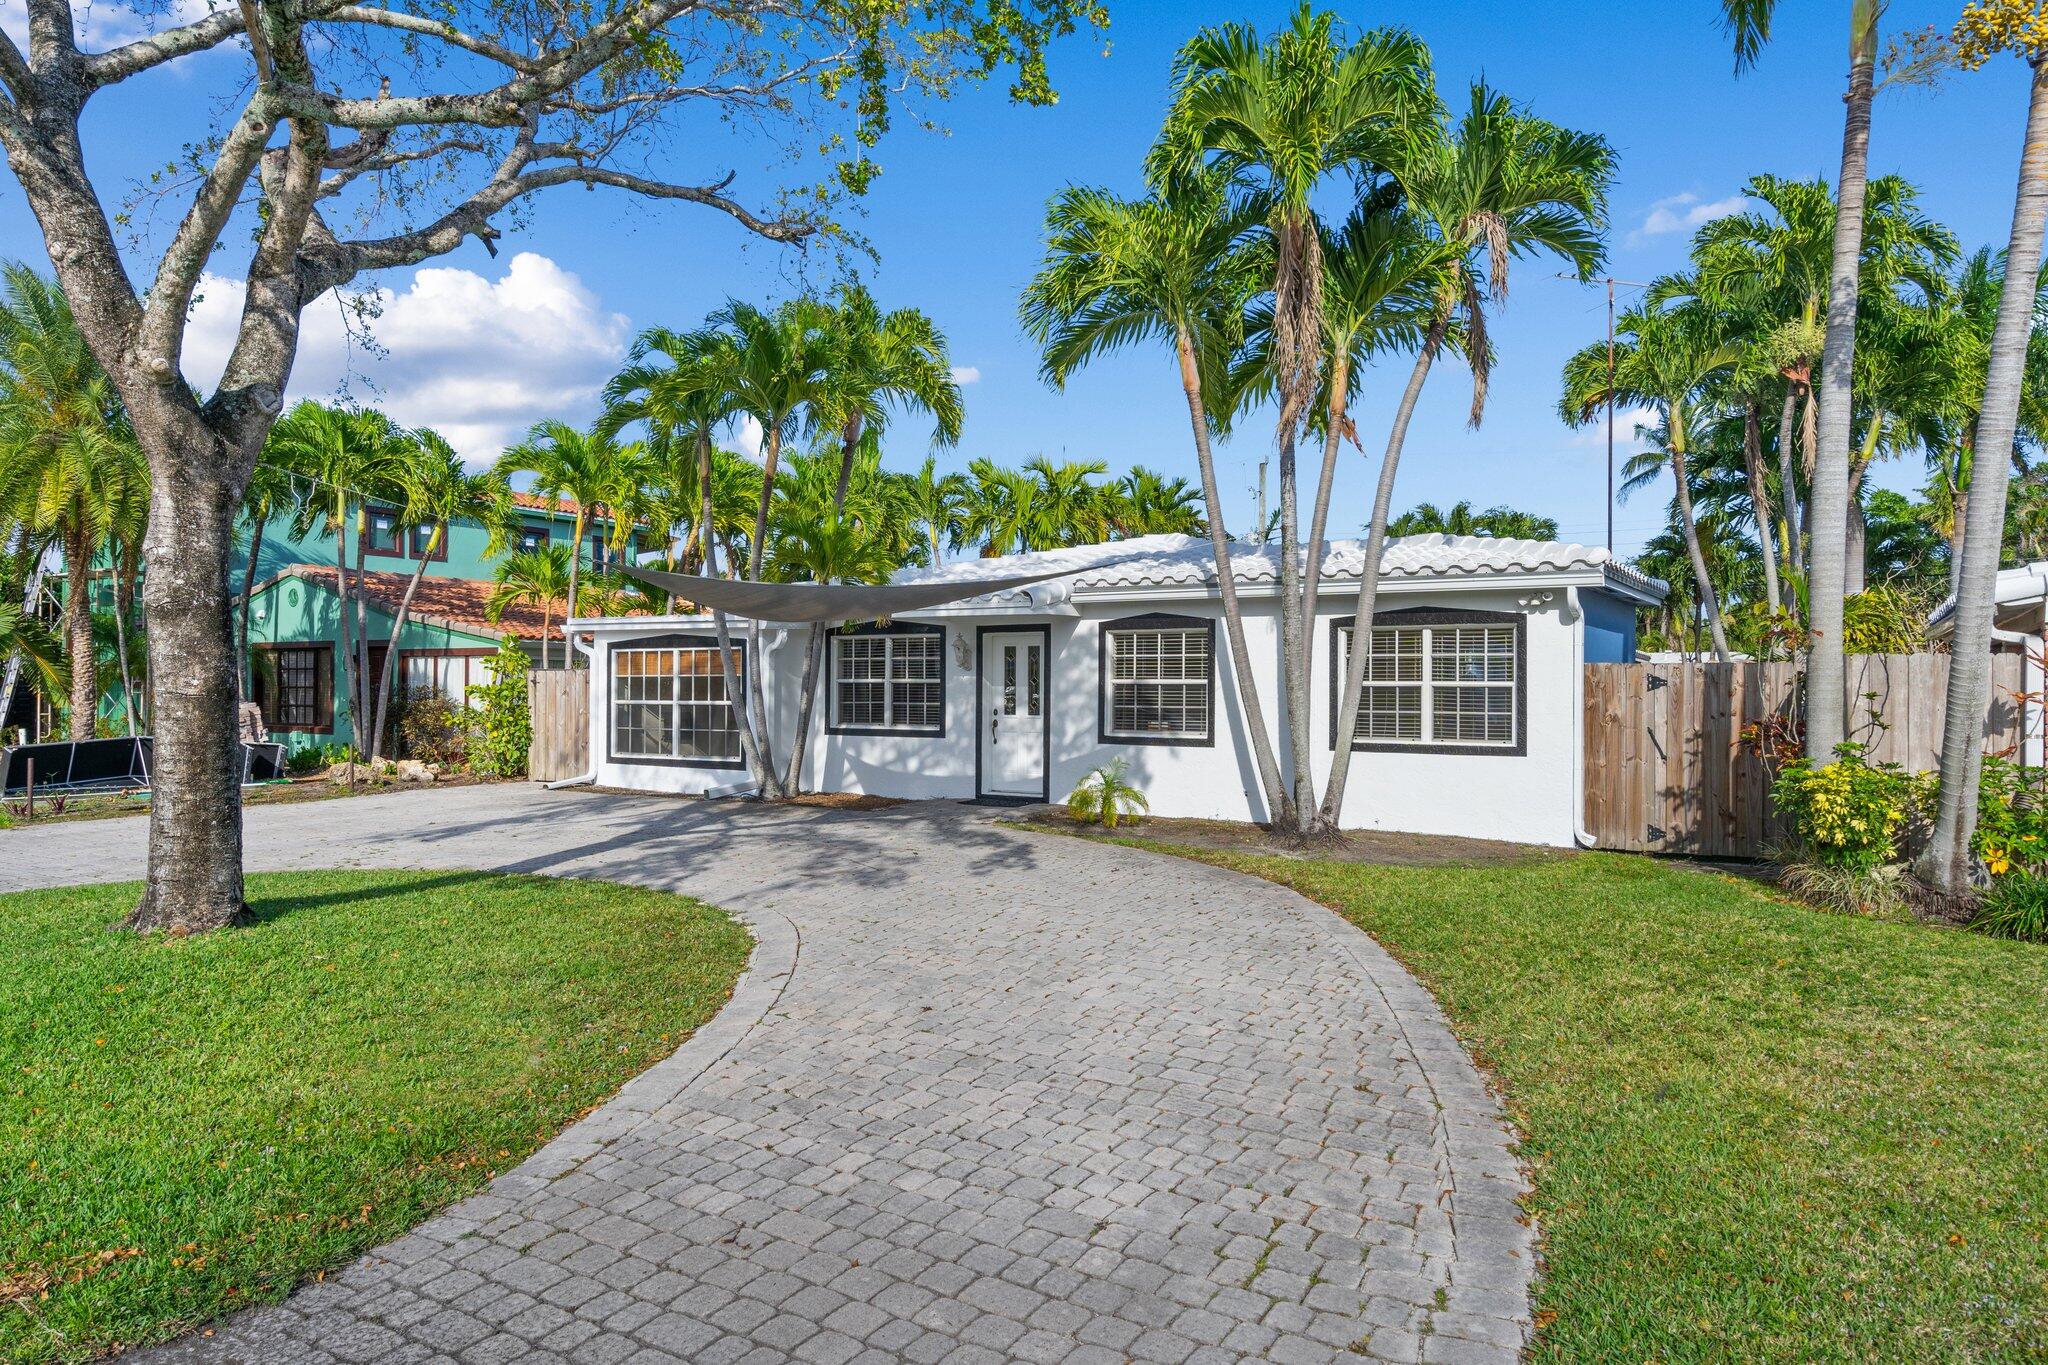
(559, 701)
(1667, 768)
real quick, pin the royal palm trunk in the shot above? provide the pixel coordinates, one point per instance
(1828, 516)
(1969, 678)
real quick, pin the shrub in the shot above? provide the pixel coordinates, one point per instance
(2012, 819)
(2016, 906)
(317, 757)
(432, 728)
(503, 725)
(1103, 797)
(1850, 814)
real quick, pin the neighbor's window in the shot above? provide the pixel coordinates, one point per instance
(1158, 677)
(532, 537)
(418, 539)
(888, 680)
(380, 531)
(1451, 680)
(294, 687)
(669, 702)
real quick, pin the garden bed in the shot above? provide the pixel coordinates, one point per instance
(190, 1126)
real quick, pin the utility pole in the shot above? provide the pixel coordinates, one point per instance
(1259, 529)
(1610, 282)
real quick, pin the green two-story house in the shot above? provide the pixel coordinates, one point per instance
(295, 613)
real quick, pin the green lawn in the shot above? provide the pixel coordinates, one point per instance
(1758, 1131)
(190, 1125)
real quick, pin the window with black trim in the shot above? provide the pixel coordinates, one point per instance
(887, 680)
(1158, 680)
(1437, 680)
(380, 531)
(295, 686)
(669, 703)
(533, 537)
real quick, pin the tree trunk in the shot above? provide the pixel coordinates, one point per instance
(383, 684)
(1369, 573)
(814, 643)
(194, 881)
(1306, 821)
(1959, 512)
(1826, 705)
(85, 683)
(1275, 790)
(1856, 527)
(1788, 480)
(1969, 679)
(346, 661)
(771, 454)
(1710, 603)
(123, 599)
(1760, 500)
(1319, 521)
(735, 694)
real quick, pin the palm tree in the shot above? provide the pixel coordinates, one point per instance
(1279, 118)
(1067, 504)
(1749, 26)
(692, 391)
(1981, 34)
(1501, 184)
(1178, 267)
(835, 550)
(538, 577)
(1663, 358)
(1426, 518)
(348, 458)
(939, 502)
(878, 362)
(999, 512)
(600, 476)
(434, 489)
(1145, 502)
(68, 462)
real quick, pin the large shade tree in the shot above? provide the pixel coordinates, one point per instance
(358, 138)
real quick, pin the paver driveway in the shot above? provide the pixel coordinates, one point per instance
(984, 1096)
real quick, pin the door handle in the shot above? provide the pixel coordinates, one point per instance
(994, 716)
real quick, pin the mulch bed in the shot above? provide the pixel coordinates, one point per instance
(1375, 847)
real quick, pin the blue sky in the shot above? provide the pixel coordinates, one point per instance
(481, 346)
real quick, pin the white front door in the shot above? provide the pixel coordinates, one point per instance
(1014, 683)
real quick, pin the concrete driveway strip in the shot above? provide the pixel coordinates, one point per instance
(984, 1096)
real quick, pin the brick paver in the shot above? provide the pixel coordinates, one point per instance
(1020, 1098)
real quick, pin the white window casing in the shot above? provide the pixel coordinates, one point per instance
(669, 704)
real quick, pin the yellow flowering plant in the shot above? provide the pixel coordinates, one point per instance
(2012, 819)
(1851, 813)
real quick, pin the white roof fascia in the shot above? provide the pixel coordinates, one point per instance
(1340, 589)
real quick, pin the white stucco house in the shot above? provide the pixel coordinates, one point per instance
(1471, 724)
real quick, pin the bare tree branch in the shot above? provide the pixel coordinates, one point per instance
(356, 168)
(443, 32)
(14, 72)
(163, 324)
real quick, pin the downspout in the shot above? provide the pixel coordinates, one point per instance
(1576, 613)
(590, 653)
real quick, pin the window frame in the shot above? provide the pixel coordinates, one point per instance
(1105, 684)
(869, 628)
(323, 684)
(1424, 617)
(708, 643)
(369, 547)
(415, 536)
(541, 535)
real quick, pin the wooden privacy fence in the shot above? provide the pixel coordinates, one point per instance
(559, 701)
(1667, 770)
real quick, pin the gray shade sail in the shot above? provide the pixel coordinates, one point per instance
(799, 602)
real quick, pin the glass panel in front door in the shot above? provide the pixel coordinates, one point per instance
(1009, 680)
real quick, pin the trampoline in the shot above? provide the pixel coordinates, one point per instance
(110, 765)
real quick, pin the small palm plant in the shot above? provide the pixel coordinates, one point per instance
(1105, 796)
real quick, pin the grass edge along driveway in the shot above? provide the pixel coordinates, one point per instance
(190, 1126)
(1757, 1131)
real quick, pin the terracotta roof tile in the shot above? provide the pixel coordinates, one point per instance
(457, 602)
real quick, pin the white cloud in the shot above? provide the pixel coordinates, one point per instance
(1684, 212)
(479, 360)
(747, 437)
(966, 374)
